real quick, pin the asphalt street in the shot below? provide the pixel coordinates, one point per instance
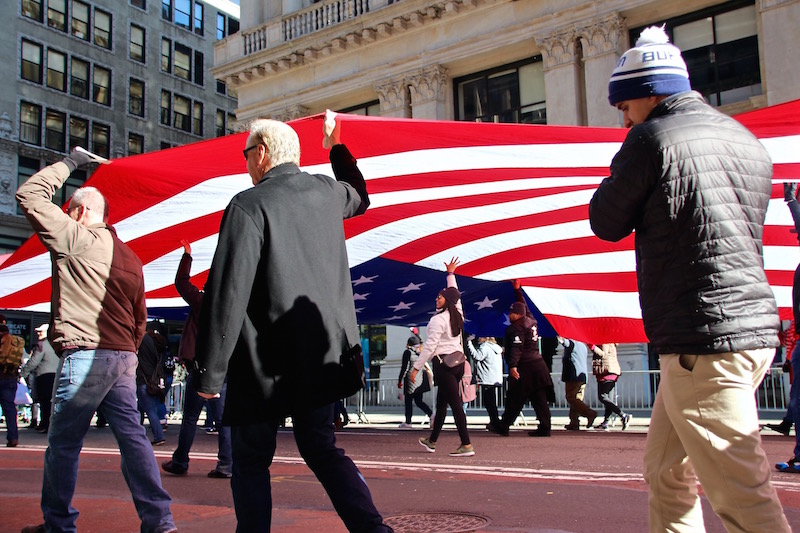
(571, 482)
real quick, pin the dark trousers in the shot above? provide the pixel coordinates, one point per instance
(253, 450)
(8, 391)
(416, 397)
(447, 378)
(489, 396)
(606, 394)
(44, 393)
(527, 387)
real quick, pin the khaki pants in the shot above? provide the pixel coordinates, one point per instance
(574, 393)
(704, 427)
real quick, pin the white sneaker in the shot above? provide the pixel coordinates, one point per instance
(405, 426)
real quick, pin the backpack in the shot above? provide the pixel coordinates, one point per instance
(12, 348)
(466, 388)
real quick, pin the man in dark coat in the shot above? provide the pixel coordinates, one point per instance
(277, 314)
(528, 377)
(694, 184)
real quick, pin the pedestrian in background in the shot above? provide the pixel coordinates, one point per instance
(605, 367)
(413, 395)
(488, 358)
(574, 370)
(694, 185)
(43, 364)
(193, 403)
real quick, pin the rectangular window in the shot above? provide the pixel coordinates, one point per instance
(220, 26)
(136, 97)
(30, 123)
(231, 123)
(100, 139)
(78, 133)
(198, 18)
(54, 130)
(32, 9)
(219, 124)
(135, 144)
(198, 67)
(57, 14)
(166, 9)
(164, 145)
(166, 55)
(80, 20)
(233, 26)
(79, 79)
(720, 48)
(180, 115)
(56, 70)
(508, 94)
(101, 87)
(141, 4)
(166, 107)
(183, 62)
(102, 29)
(183, 13)
(136, 49)
(31, 61)
(197, 119)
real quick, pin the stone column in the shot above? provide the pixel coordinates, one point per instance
(778, 38)
(561, 77)
(394, 98)
(429, 94)
(602, 48)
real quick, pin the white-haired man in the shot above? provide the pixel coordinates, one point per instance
(277, 314)
(97, 321)
(694, 184)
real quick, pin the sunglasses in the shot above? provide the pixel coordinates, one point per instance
(244, 152)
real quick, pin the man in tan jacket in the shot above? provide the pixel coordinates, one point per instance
(97, 320)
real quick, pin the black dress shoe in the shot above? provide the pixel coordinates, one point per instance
(218, 475)
(12, 443)
(172, 468)
(497, 429)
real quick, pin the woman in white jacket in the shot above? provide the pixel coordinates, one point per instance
(488, 358)
(444, 337)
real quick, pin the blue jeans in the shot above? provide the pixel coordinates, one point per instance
(105, 381)
(192, 406)
(253, 450)
(8, 390)
(148, 404)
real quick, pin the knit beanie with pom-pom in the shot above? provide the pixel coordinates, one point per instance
(653, 67)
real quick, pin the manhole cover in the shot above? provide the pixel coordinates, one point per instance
(436, 522)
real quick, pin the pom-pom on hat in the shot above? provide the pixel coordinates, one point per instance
(653, 67)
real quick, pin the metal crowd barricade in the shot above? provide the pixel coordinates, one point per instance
(635, 390)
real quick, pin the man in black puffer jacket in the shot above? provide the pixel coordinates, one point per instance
(694, 185)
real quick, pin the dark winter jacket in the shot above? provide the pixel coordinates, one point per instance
(694, 185)
(278, 304)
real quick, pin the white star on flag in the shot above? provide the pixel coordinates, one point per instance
(411, 287)
(401, 306)
(363, 279)
(486, 302)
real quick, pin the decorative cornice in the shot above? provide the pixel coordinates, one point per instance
(313, 46)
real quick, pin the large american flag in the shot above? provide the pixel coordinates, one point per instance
(510, 200)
